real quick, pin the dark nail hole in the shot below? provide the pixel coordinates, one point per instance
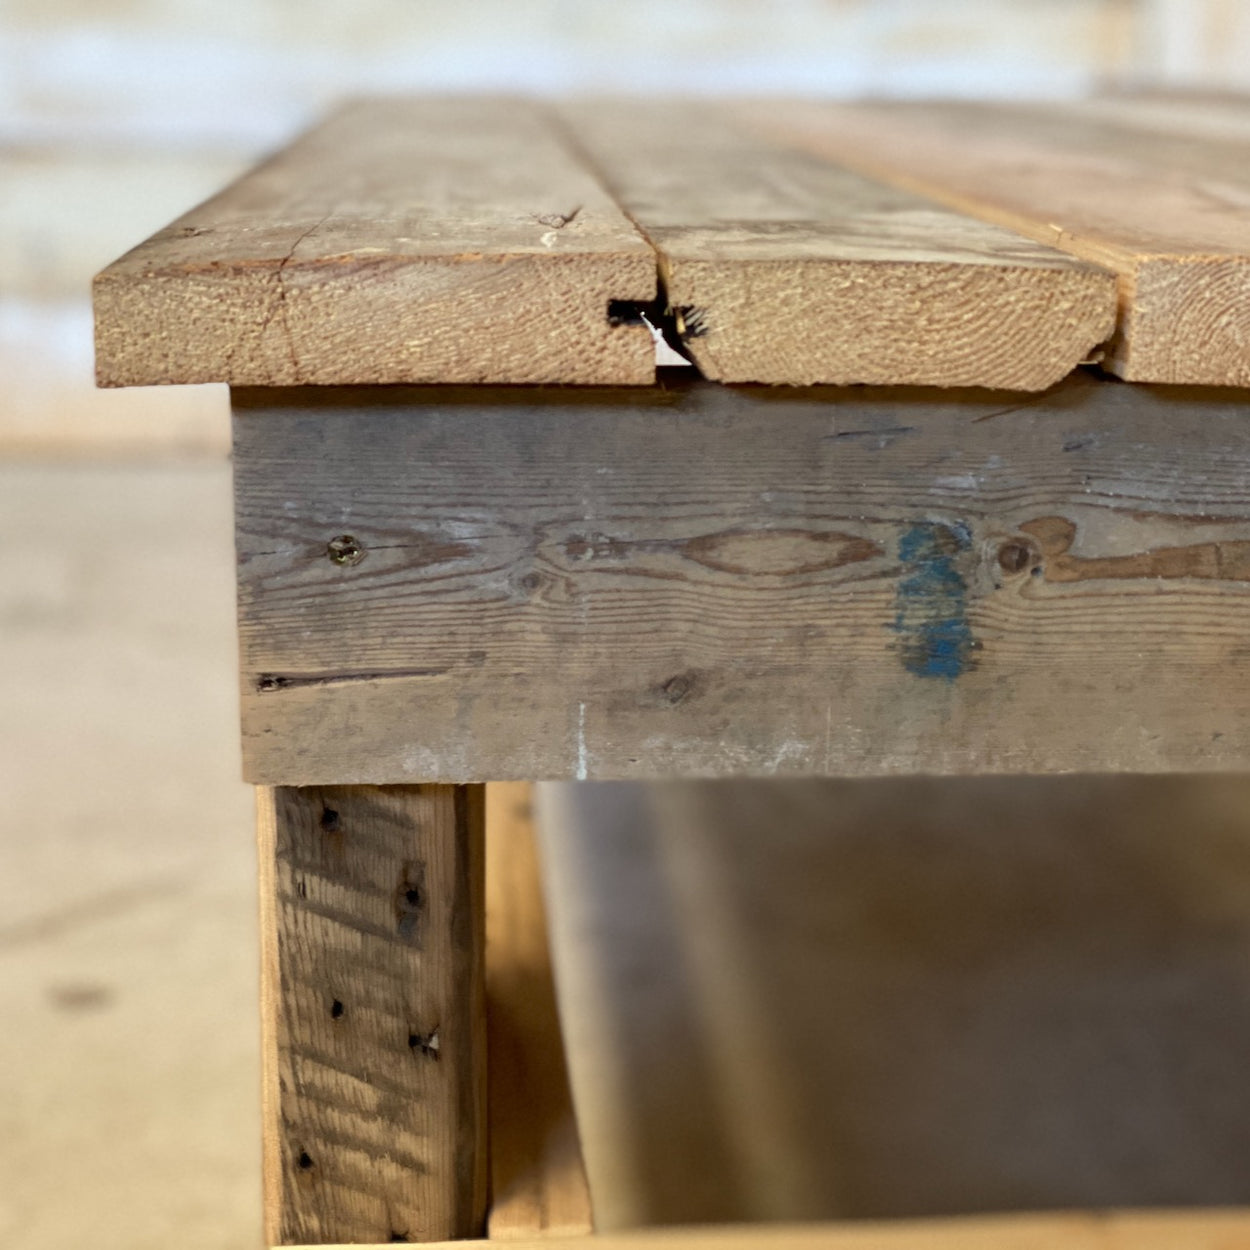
(305, 1160)
(336, 1009)
(329, 820)
(399, 1236)
(428, 1044)
(410, 901)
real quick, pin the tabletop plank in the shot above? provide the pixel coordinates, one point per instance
(786, 269)
(1166, 212)
(403, 240)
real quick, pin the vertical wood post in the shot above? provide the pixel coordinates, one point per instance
(372, 931)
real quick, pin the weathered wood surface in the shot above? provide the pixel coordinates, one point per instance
(903, 998)
(783, 268)
(1168, 216)
(373, 1014)
(698, 580)
(1165, 1230)
(417, 240)
(538, 1180)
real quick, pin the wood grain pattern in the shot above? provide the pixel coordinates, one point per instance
(786, 269)
(1142, 205)
(373, 1016)
(702, 580)
(401, 241)
(1166, 1230)
(538, 1180)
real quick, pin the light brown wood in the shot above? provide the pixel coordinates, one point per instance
(785, 269)
(1205, 150)
(1200, 1230)
(538, 1181)
(903, 998)
(1179, 243)
(373, 1015)
(401, 241)
(702, 580)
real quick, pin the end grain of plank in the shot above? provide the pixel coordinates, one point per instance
(1178, 238)
(784, 268)
(436, 240)
(373, 1013)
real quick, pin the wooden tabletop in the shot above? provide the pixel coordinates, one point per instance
(488, 240)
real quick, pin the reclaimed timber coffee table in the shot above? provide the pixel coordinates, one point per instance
(481, 537)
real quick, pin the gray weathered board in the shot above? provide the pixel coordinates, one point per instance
(454, 584)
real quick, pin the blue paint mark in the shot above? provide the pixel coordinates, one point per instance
(931, 603)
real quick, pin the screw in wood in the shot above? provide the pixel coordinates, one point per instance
(345, 550)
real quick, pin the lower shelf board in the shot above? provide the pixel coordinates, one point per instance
(1196, 1230)
(803, 1001)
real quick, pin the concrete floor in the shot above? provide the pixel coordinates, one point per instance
(129, 1069)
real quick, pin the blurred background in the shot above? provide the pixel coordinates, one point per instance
(116, 115)
(128, 1057)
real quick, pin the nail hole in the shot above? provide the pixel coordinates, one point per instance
(336, 1009)
(305, 1160)
(428, 1044)
(410, 899)
(1015, 557)
(329, 820)
(399, 1237)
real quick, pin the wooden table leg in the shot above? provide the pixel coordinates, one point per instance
(372, 921)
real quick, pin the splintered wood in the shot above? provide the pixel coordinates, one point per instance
(783, 268)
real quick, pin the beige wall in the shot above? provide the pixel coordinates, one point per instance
(117, 114)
